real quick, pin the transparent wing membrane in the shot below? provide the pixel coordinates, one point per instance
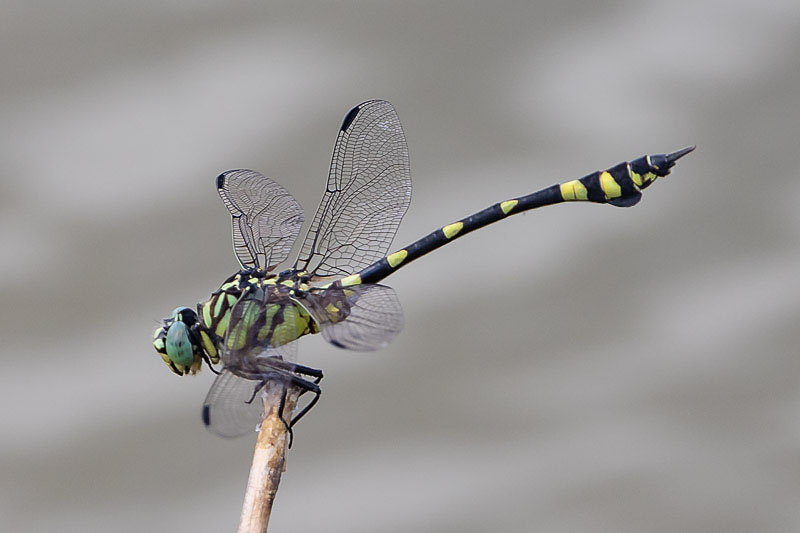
(362, 317)
(368, 192)
(226, 411)
(234, 406)
(265, 217)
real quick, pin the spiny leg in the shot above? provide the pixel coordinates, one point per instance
(307, 408)
(288, 366)
(281, 407)
(257, 388)
(210, 366)
(308, 371)
(306, 386)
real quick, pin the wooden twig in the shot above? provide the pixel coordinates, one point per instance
(269, 459)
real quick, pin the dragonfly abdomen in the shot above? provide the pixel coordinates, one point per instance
(619, 185)
(383, 267)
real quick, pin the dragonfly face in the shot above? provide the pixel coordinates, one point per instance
(178, 343)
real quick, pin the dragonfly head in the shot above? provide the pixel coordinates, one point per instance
(177, 343)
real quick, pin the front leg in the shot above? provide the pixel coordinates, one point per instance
(288, 366)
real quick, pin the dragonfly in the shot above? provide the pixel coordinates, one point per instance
(252, 322)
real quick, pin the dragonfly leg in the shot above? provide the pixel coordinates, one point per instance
(194, 333)
(258, 387)
(287, 379)
(280, 364)
(281, 407)
(210, 366)
(306, 386)
(307, 408)
(306, 371)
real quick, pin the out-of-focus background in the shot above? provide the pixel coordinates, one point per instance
(576, 368)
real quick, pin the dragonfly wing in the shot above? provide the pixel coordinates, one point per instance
(226, 411)
(361, 317)
(368, 192)
(265, 217)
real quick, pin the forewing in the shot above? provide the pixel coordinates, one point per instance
(368, 192)
(361, 317)
(265, 217)
(226, 411)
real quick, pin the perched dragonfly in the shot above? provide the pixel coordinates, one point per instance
(252, 322)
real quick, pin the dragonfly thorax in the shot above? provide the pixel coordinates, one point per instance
(187, 337)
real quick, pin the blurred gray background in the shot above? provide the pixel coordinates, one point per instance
(577, 368)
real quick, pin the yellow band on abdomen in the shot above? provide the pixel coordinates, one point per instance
(574, 190)
(396, 258)
(610, 186)
(451, 230)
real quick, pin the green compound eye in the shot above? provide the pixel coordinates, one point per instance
(179, 347)
(178, 311)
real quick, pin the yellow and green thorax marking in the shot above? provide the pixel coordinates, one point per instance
(279, 316)
(251, 310)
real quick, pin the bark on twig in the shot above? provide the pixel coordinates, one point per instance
(269, 460)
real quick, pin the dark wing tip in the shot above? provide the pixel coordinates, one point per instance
(351, 115)
(238, 173)
(206, 416)
(221, 181)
